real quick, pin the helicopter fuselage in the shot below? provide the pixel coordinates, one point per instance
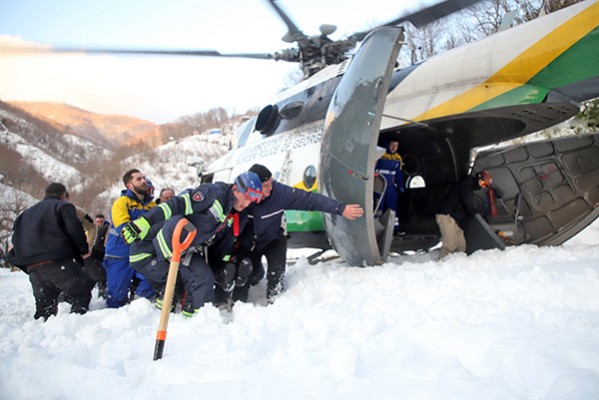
(510, 84)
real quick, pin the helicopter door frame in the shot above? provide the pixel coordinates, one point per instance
(349, 148)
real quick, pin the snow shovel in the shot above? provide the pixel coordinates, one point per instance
(171, 279)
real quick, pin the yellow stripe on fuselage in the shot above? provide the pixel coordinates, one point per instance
(522, 68)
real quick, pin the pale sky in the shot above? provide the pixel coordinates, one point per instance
(163, 88)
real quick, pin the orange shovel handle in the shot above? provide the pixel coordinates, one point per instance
(178, 246)
(171, 279)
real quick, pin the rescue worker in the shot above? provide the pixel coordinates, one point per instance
(133, 202)
(390, 166)
(266, 236)
(49, 244)
(214, 210)
(455, 207)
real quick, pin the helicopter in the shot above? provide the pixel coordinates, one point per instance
(326, 133)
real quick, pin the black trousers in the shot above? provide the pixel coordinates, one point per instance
(95, 270)
(276, 257)
(49, 280)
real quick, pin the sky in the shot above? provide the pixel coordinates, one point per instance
(497, 325)
(160, 88)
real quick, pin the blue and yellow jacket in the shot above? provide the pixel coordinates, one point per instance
(390, 166)
(125, 209)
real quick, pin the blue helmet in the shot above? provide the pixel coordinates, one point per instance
(249, 184)
(150, 186)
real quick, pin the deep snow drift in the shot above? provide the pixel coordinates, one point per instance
(516, 324)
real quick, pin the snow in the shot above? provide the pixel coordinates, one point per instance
(43, 163)
(516, 324)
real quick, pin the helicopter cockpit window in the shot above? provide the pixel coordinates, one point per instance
(309, 177)
(243, 132)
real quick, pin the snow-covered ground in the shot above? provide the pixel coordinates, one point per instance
(516, 324)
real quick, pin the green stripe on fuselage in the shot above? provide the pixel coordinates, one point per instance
(578, 63)
(304, 221)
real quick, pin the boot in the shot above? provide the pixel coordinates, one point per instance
(244, 270)
(160, 302)
(226, 277)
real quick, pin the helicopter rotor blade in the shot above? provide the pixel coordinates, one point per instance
(312, 52)
(294, 33)
(424, 16)
(202, 53)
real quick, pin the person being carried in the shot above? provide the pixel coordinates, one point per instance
(455, 207)
(265, 235)
(49, 244)
(214, 210)
(133, 202)
(390, 166)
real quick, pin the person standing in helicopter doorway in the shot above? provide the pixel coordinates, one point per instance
(390, 166)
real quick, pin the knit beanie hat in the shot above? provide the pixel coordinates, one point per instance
(263, 173)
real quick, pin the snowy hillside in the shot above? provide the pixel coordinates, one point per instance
(38, 137)
(12, 202)
(167, 166)
(48, 166)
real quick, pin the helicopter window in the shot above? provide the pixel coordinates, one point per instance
(411, 165)
(243, 132)
(416, 182)
(206, 178)
(291, 110)
(309, 177)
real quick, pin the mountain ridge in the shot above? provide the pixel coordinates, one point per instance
(108, 130)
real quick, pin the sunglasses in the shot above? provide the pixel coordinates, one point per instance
(253, 195)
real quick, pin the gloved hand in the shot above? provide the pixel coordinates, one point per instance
(135, 230)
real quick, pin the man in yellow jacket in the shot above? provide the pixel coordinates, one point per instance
(133, 203)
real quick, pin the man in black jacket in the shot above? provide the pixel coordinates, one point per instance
(456, 206)
(49, 244)
(265, 235)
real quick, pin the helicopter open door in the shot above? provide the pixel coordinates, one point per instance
(348, 152)
(548, 190)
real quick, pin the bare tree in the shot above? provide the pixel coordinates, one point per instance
(424, 42)
(473, 24)
(550, 6)
(13, 203)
